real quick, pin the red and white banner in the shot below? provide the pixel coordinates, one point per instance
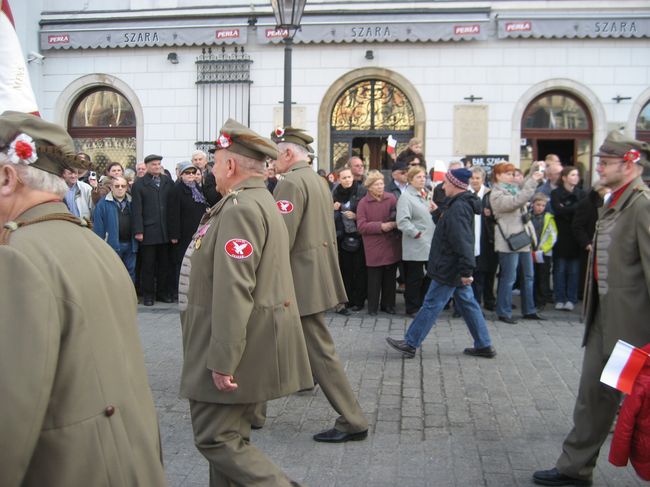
(15, 88)
(623, 366)
(440, 168)
(391, 143)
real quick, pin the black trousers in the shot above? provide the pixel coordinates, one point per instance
(417, 284)
(157, 275)
(542, 282)
(381, 281)
(355, 276)
(484, 276)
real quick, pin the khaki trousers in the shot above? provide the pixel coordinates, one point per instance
(222, 435)
(328, 372)
(594, 412)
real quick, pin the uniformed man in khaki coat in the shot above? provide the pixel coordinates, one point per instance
(305, 202)
(617, 303)
(77, 408)
(242, 339)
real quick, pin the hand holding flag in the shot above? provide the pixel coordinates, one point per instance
(623, 366)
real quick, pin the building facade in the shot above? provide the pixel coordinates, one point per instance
(489, 79)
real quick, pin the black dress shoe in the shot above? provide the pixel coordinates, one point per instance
(356, 307)
(489, 307)
(165, 299)
(336, 436)
(388, 309)
(256, 427)
(534, 316)
(507, 319)
(344, 312)
(372, 313)
(401, 346)
(148, 301)
(554, 477)
(486, 352)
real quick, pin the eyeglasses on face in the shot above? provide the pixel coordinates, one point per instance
(119, 185)
(190, 172)
(602, 163)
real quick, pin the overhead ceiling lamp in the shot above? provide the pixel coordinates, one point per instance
(172, 57)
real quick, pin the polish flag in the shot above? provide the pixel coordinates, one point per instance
(440, 168)
(392, 143)
(15, 88)
(623, 366)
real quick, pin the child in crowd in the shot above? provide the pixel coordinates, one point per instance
(546, 232)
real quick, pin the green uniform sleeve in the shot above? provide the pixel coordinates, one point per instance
(237, 253)
(287, 190)
(28, 357)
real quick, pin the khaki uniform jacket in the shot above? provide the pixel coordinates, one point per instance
(77, 410)
(622, 252)
(238, 308)
(306, 204)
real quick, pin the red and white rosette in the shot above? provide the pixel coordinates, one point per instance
(632, 155)
(22, 150)
(224, 141)
(279, 132)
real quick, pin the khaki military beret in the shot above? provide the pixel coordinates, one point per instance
(292, 135)
(241, 140)
(30, 140)
(618, 145)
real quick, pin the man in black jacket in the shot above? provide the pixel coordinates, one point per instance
(150, 195)
(451, 265)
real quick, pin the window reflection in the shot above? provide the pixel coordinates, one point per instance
(557, 112)
(643, 122)
(103, 108)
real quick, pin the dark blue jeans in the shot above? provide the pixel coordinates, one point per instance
(565, 279)
(435, 300)
(128, 257)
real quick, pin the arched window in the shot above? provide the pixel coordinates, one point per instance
(102, 124)
(643, 124)
(363, 117)
(557, 122)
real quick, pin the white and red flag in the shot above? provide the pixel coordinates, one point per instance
(391, 144)
(15, 88)
(623, 366)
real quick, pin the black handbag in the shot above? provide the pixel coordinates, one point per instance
(351, 243)
(517, 240)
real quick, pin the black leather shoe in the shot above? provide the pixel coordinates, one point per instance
(336, 436)
(256, 427)
(534, 316)
(489, 307)
(554, 477)
(485, 352)
(388, 309)
(344, 312)
(165, 299)
(356, 308)
(507, 319)
(401, 346)
(372, 313)
(148, 301)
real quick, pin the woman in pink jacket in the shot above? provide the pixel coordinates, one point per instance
(382, 242)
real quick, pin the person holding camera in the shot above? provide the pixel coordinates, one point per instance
(514, 237)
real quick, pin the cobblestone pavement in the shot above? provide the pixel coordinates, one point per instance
(440, 419)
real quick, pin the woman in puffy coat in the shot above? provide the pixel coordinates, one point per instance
(509, 206)
(632, 434)
(416, 224)
(376, 215)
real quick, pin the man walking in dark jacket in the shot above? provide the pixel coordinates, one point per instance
(451, 265)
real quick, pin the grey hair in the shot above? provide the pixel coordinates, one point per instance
(455, 165)
(299, 150)
(479, 170)
(198, 153)
(249, 163)
(40, 180)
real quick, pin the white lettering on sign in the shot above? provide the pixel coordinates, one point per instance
(614, 27)
(279, 33)
(58, 39)
(133, 37)
(518, 26)
(463, 30)
(227, 34)
(370, 32)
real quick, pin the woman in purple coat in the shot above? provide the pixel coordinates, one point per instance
(382, 242)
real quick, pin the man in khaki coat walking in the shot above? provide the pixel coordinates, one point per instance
(242, 339)
(305, 202)
(77, 408)
(617, 303)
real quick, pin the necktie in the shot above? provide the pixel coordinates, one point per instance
(156, 181)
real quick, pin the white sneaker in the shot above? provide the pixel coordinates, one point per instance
(568, 306)
(559, 306)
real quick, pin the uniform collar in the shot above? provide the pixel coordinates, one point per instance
(249, 183)
(634, 186)
(300, 165)
(252, 182)
(41, 210)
